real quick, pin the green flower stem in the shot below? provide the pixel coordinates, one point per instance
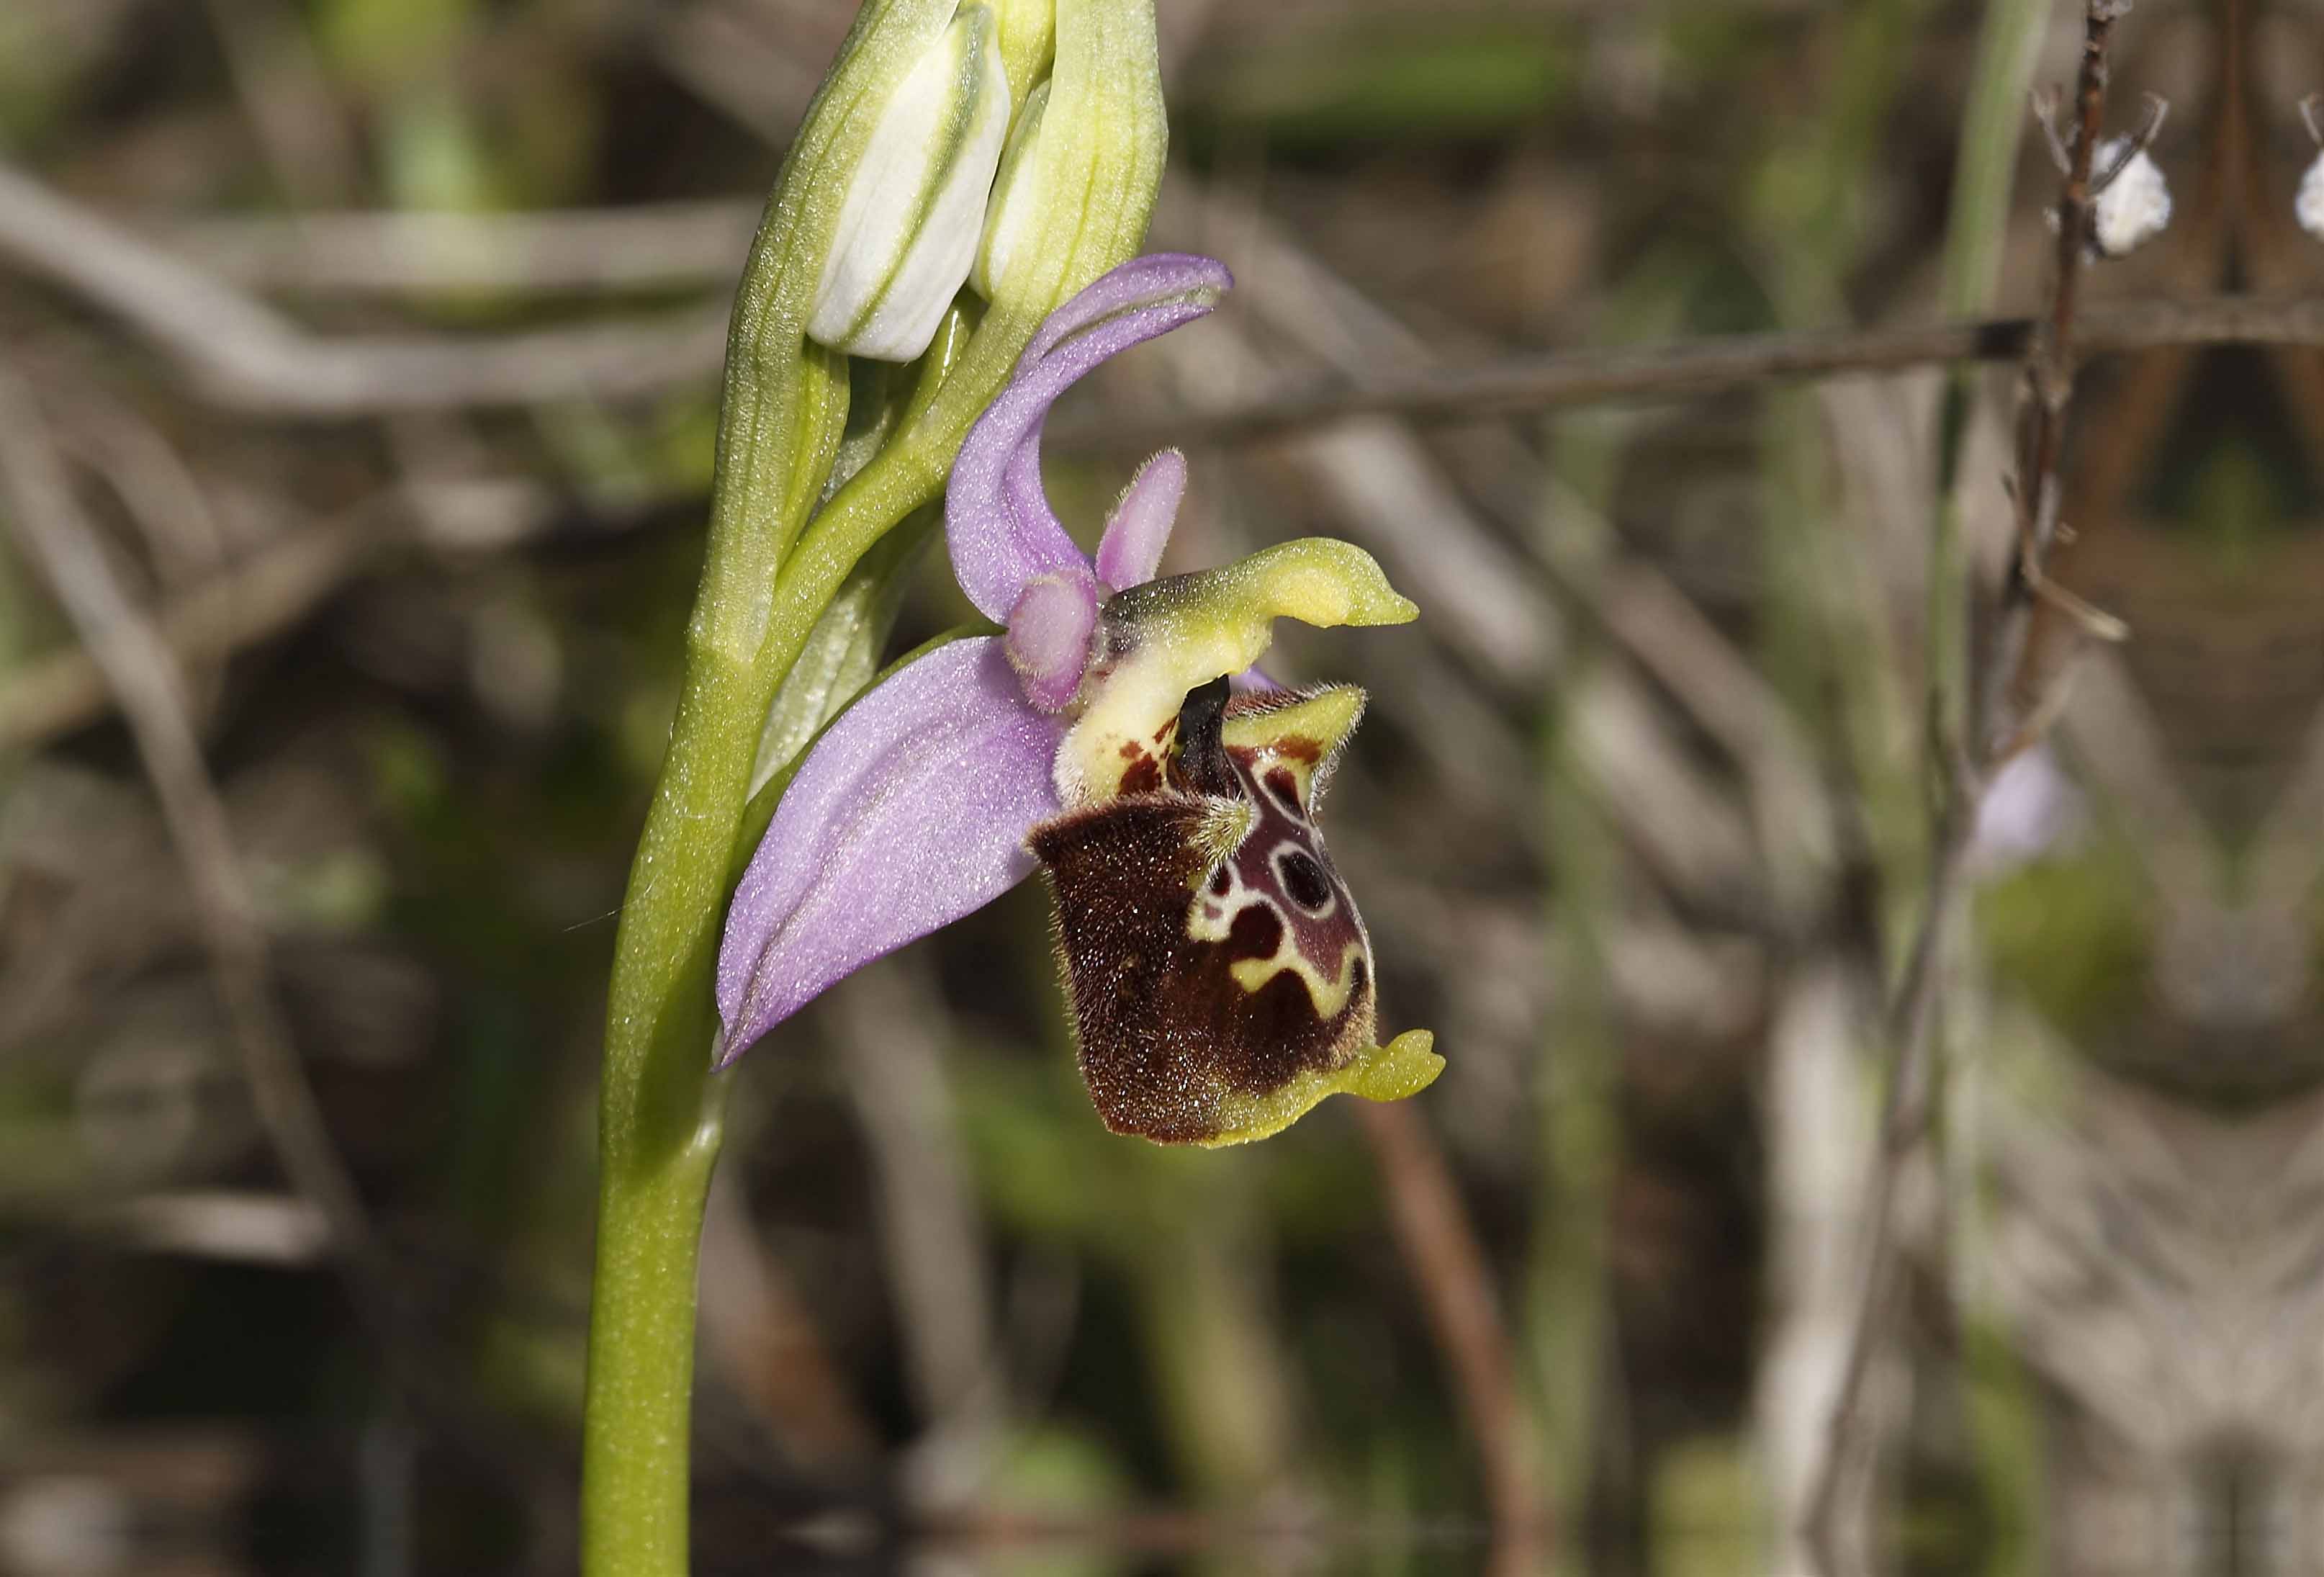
(635, 1465)
(661, 1107)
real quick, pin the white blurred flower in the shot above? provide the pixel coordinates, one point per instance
(2308, 205)
(914, 212)
(2135, 205)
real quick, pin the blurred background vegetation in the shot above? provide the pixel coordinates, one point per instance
(380, 339)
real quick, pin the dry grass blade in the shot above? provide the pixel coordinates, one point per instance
(655, 246)
(56, 536)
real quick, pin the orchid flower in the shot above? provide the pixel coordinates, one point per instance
(880, 212)
(1222, 981)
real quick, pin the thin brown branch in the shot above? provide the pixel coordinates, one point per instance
(1904, 1114)
(1440, 1247)
(247, 356)
(1697, 368)
(243, 353)
(48, 520)
(2050, 365)
(1964, 768)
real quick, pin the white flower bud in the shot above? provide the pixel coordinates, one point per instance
(909, 227)
(2135, 205)
(2308, 207)
(1014, 215)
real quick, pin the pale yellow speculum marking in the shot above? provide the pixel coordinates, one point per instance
(1200, 926)
(1330, 996)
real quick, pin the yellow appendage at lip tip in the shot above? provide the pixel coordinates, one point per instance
(1323, 719)
(1404, 1067)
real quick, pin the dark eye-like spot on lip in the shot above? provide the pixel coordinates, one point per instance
(1286, 788)
(1222, 883)
(1303, 879)
(1360, 975)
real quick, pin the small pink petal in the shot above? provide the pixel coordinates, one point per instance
(999, 527)
(1049, 632)
(1131, 551)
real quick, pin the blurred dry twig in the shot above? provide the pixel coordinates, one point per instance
(1440, 1247)
(1702, 367)
(245, 354)
(267, 590)
(67, 687)
(138, 664)
(650, 247)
